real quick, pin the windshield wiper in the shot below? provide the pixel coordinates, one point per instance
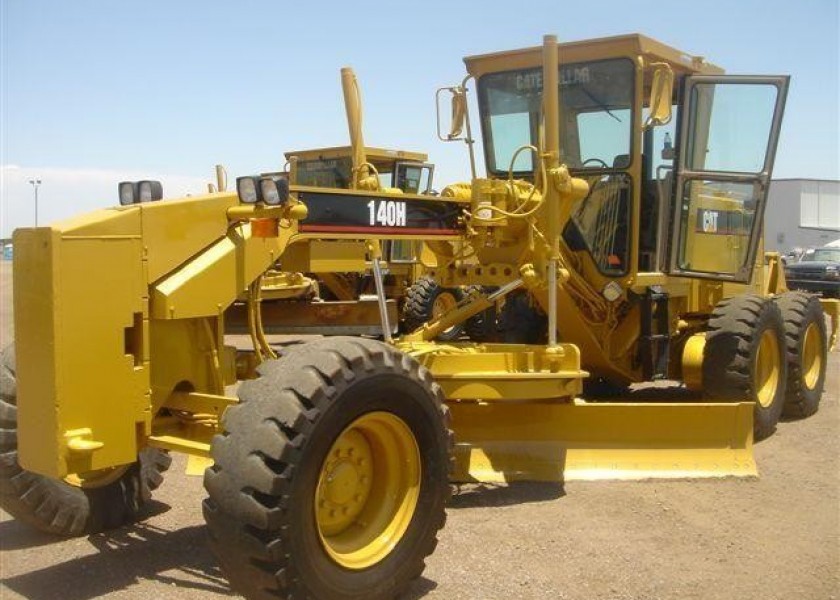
(600, 103)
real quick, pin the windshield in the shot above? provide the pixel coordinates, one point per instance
(823, 254)
(596, 100)
(326, 172)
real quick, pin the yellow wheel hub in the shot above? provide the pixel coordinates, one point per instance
(812, 356)
(367, 490)
(767, 368)
(444, 302)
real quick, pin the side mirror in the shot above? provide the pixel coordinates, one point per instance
(661, 94)
(458, 113)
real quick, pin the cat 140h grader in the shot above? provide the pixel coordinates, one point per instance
(329, 299)
(332, 461)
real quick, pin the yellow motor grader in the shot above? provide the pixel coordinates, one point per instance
(612, 260)
(331, 300)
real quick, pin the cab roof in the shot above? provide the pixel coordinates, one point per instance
(376, 156)
(631, 45)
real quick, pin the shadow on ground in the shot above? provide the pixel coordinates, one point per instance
(123, 558)
(472, 495)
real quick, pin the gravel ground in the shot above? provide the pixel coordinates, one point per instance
(777, 537)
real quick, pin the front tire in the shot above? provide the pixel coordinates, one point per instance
(805, 340)
(427, 300)
(744, 358)
(332, 476)
(77, 505)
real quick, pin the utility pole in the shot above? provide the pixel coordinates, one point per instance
(35, 183)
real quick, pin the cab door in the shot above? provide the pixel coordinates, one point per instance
(728, 137)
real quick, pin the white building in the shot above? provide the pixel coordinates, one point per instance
(801, 213)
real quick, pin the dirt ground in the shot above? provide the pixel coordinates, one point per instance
(777, 537)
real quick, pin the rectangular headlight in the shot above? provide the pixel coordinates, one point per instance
(248, 190)
(274, 190)
(128, 192)
(149, 191)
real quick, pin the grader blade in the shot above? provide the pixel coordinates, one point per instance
(497, 442)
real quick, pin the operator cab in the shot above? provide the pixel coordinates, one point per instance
(332, 167)
(679, 195)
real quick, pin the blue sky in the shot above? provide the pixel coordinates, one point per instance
(96, 91)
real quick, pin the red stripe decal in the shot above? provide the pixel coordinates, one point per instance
(356, 229)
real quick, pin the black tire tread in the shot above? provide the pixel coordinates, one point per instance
(419, 301)
(57, 507)
(727, 356)
(799, 310)
(483, 326)
(256, 458)
(521, 321)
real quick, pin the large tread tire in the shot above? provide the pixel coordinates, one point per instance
(521, 321)
(601, 388)
(58, 507)
(483, 326)
(263, 483)
(801, 311)
(735, 332)
(419, 306)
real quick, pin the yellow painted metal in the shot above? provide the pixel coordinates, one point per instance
(96, 479)
(353, 105)
(831, 307)
(281, 285)
(812, 356)
(444, 303)
(352, 317)
(100, 356)
(336, 256)
(79, 368)
(561, 441)
(692, 361)
(186, 443)
(709, 249)
(593, 49)
(196, 465)
(188, 433)
(197, 403)
(501, 371)
(766, 369)
(211, 281)
(381, 158)
(367, 490)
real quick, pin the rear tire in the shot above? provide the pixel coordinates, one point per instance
(483, 326)
(56, 506)
(425, 301)
(521, 321)
(296, 509)
(744, 358)
(806, 343)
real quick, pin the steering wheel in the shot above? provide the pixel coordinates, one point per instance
(595, 160)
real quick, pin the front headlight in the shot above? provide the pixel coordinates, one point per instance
(274, 191)
(248, 190)
(128, 192)
(132, 192)
(149, 191)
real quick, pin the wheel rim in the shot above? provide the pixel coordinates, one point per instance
(444, 302)
(767, 367)
(367, 490)
(812, 352)
(96, 479)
